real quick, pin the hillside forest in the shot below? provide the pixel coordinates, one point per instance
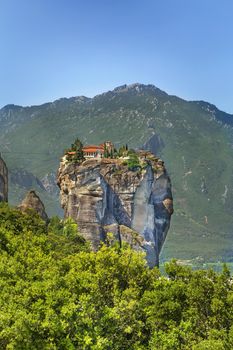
(56, 293)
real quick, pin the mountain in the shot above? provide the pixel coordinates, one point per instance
(194, 139)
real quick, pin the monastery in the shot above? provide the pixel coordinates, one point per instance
(97, 151)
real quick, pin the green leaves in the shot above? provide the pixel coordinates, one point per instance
(57, 294)
(76, 147)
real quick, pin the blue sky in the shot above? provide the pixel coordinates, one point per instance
(62, 48)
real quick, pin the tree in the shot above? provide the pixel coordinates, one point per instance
(106, 152)
(55, 293)
(76, 147)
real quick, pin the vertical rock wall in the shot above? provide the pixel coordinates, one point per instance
(3, 181)
(105, 196)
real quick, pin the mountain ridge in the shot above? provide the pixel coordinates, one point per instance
(119, 89)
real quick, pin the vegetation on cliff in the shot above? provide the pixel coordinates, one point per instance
(77, 150)
(135, 160)
(57, 294)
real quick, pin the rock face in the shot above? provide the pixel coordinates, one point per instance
(3, 181)
(33, 201)
(105, 196)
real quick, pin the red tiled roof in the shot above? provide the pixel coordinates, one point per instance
(93, 150)
(87, 146)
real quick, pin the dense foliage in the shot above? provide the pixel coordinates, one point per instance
(57, 294)
(76, 147)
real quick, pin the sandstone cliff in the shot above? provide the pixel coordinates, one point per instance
(3, 181)
(33, 201)
(103, 195)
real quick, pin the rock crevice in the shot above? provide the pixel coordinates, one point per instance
(3, 181)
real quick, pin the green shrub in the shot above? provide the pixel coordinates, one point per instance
(57, 294)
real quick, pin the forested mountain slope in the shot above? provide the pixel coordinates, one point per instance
(193, 138)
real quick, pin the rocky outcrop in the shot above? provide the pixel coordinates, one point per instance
(49, 182)
(103, 195)
(33, 201)
(3, 181)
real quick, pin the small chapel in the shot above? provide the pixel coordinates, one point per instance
(97, 151)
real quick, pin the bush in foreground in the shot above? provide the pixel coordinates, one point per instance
(57, 294)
